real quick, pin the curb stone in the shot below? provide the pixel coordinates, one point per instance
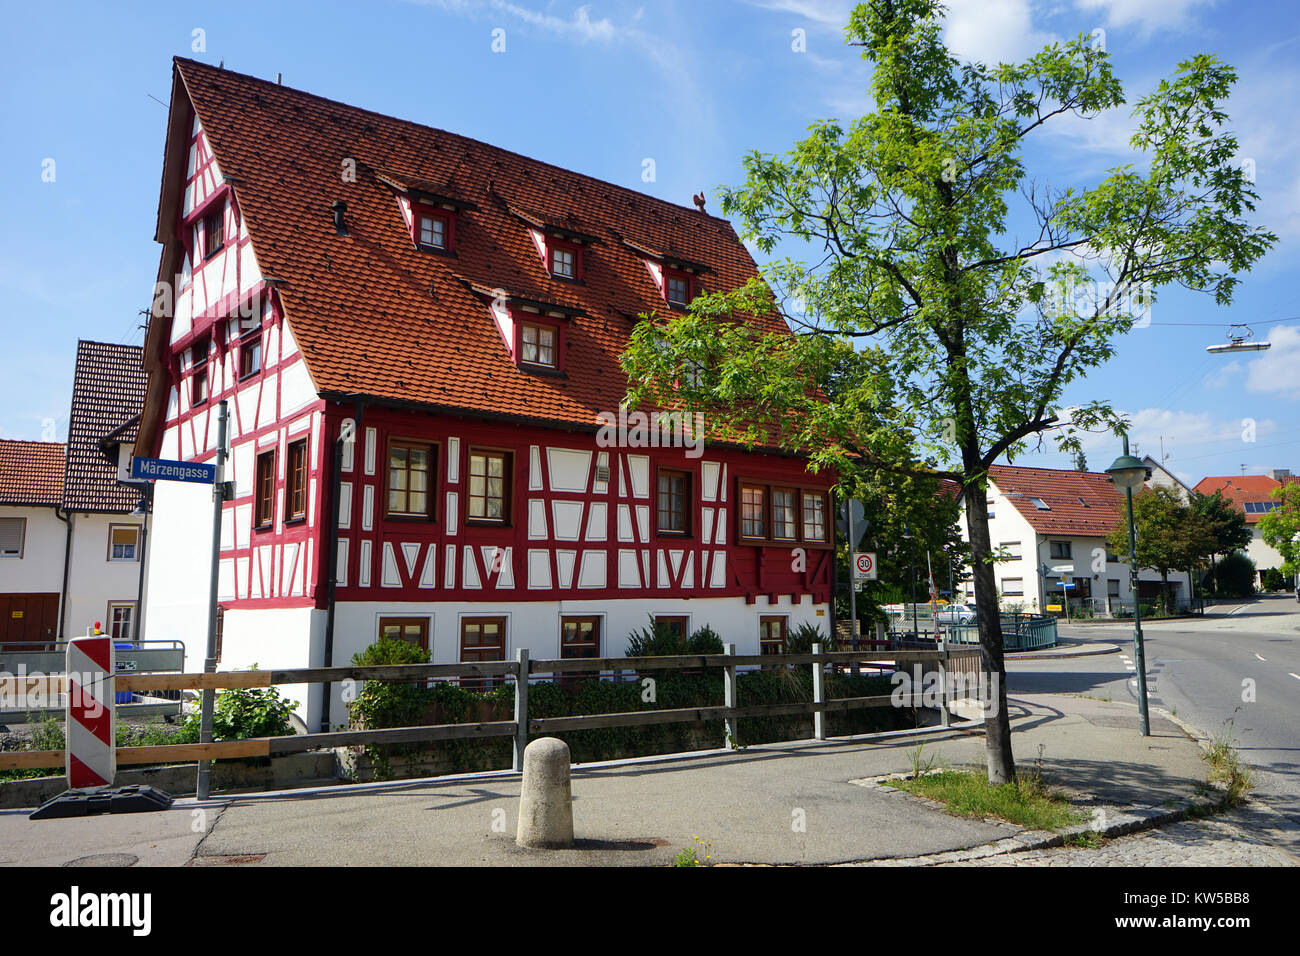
(1033, 656)
(1106, 822)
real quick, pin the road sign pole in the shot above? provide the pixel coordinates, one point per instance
(853, 579)
(202, 789)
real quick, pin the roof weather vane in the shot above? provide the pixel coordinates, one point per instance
(1239, 340)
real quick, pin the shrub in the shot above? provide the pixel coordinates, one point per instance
(242, 713)
(659, 640)
(1273, 580)
(390, 703)
(1236, 576)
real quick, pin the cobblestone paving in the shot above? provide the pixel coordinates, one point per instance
(1212, 842)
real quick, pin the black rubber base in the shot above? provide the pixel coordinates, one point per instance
(84, 803)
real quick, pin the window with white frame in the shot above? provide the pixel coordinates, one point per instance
(12, 532)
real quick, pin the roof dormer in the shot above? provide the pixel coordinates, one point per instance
(430, 212)
(677, 279)
(561, 243)
(534, 332)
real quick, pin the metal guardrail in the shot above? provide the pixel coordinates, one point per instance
(1020, 632)
(944, 660)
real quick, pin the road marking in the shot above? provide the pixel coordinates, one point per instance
(1264, 659)
(1294, 674)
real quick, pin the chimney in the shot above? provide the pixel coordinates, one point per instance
(340, 210)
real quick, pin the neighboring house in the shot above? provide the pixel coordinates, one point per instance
(72, 536)
(1252, 495)
(419, 335)
(1052, 525)
(1162, 477)
(32, 541)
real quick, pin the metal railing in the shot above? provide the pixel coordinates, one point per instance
(946, 661)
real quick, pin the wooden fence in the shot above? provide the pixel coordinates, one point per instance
(941, 662)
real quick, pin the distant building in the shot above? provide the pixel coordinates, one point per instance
(1162, 477)
(72, 536)
(1052, 525)
(1252, 495)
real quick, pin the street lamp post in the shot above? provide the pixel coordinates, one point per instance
(1128, 473)
(916, 630)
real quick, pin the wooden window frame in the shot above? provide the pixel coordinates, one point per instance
(22, 537)
(482, 683)
(687, 508)
(671, 619)
(420, 211)
(404, 622)
(670, 274)
(135, 548)
(769, 490)
(133, 607)
(250, 344)
(296, 479)
(553, 246)
(434, 450)
(507, 488)
(597, 629)
(199, 371)
(218, 216)
(796, 518)
(264, 498)
(557, 336)
(764, 641)
(824, 497)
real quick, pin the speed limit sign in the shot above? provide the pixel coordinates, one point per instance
(864, 566)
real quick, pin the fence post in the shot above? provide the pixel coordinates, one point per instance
(729, 699)
(944, 717)
(819, 696)
(521, 708)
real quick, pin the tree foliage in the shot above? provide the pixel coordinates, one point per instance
(1280, 526)
(937, 318)
(1171, 536)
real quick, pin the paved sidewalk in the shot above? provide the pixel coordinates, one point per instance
(776, 804)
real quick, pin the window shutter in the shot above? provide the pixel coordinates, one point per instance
(11, 535)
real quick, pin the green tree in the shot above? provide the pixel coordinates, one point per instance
(1171, 536)
(1280, 527)
(927, 337)
(1226, 523)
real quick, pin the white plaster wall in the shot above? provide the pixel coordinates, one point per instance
(93, 580)
(1264, 555)
(40, 569)
(278, 638)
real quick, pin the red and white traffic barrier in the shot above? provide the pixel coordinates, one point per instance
(91, 750)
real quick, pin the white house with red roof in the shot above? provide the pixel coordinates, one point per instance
(418, 336)
(1051, 524)
(1252, 495)
(72, 536)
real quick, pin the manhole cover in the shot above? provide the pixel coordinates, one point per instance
(243, 859)
(105, 859)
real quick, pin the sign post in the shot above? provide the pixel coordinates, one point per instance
(203, 787)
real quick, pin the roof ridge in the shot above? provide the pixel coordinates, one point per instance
(32, 441)
(460, 136)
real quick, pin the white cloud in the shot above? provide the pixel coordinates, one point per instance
(1147, 16)
(827, 14)
(578, 26)
(993, 31)
(1274, 372)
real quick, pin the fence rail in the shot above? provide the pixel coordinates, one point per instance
(946, 661)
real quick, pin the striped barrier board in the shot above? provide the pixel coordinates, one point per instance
(91, 750)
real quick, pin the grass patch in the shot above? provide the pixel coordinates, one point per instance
(1027, 801)
(1227, 770)
(1088, 840)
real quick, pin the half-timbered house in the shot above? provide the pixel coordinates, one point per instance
(418, 338)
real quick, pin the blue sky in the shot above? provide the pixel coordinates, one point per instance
(600, 87)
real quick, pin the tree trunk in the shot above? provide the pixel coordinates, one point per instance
(1164, 590)
(997, 724)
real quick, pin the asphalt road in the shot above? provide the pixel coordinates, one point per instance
(1231, 673)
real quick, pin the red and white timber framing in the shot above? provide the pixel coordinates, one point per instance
(91, 752)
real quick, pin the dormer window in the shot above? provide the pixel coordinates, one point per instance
(564, 262)
(433, 231)
(677, 290)
(538, 345)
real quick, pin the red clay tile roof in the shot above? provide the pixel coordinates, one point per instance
(376, 316)
(1081, 503)
(31, 472)
(1239, 489)
(107, 394)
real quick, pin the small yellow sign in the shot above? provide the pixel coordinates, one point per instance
(16, 615)
(1054, 607)
(821, 612)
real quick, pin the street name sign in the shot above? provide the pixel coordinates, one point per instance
(159, 469)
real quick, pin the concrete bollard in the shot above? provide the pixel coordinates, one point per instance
(546, 799)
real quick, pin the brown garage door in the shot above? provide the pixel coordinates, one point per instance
(28, 622)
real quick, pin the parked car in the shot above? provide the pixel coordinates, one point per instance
(956, 614)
